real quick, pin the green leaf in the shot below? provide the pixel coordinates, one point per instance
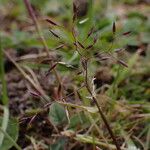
(12, 130)
(2, 77)
(57, 114)
(78, 120)
(58, 145)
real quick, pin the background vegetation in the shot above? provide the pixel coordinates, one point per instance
(51, 67)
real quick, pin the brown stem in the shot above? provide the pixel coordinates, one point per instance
(31, 13)
(34, 19)
(100, 111)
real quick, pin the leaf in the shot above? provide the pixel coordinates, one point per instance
(59, 144)
(78, 120)
(12, 130)
(57, 114)
(4, 99)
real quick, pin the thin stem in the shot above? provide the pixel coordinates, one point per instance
(38, 29)
(100, 111)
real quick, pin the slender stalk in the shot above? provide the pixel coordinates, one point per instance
(100, 110)
(38, 29)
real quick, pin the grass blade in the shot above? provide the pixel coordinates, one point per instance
(2, 77)
(4, 124)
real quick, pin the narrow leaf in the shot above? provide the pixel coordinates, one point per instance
(4, 98)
